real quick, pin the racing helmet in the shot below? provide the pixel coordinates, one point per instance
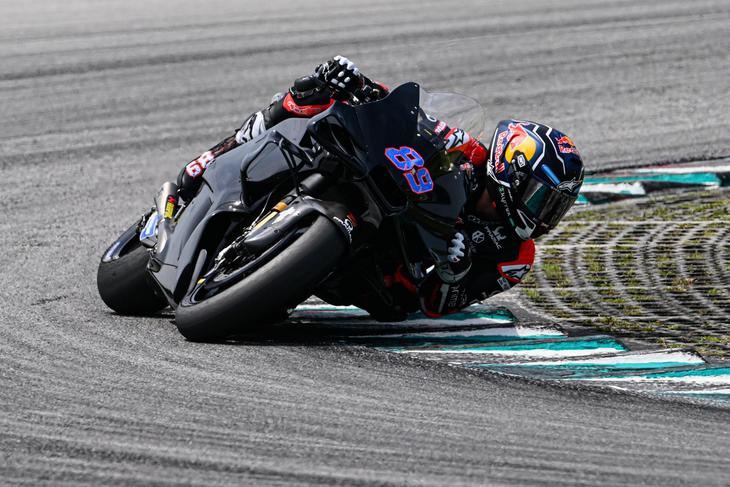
(534, 174)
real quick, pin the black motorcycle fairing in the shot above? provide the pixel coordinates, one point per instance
(223, 200)
(279, 157)
(301, 208)
(359, 135)
(219, 195)
(228, 166)
(369, 130)
(264, 243)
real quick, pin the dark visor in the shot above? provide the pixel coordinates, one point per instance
(546, 204)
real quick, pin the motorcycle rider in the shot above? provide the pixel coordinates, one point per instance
(519, 188)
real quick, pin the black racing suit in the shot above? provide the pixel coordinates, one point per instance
(499, 259)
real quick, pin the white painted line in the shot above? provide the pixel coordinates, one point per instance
(634, 189)
(520, 353)
(687, 358)
(511, 331)
(683, 170)
(327, 308)
(718, 380)
(468, 317)
(702, 392)
(440, 322)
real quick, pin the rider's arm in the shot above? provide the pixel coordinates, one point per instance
(489, 275)
(492, 270)
(445, 289)
(337, 79)
(459, 140)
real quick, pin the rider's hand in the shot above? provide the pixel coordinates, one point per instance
(341, 75)
(457, 248)
(459, 256)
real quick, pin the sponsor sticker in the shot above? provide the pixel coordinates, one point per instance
(520, 141)
(515, 273)
(170, 207)
(347, 223)
(503, 283)
(407, 159)
(196, 167)
(566, 145)
(498, 150)
(496, 236)
(456, 138)
(569, 185)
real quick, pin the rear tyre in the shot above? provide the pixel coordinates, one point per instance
(282, 283)
(124, 285)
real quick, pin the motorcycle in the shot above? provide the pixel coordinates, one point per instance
(325, 206)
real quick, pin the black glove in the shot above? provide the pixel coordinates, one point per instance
(341, 76)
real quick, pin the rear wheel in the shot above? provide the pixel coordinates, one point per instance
(281, 283)
(124, 284)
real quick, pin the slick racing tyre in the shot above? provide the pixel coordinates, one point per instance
(277, 285)
(124, 284)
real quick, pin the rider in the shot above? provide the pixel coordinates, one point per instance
(519, 188)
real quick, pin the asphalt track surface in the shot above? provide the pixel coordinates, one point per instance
(101, 101)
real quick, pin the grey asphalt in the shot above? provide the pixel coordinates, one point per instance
(102, 101)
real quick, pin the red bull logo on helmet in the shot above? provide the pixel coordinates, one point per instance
(515, 139)
(521, 140)
(566, 145)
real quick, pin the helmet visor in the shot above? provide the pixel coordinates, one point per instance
(546, 204)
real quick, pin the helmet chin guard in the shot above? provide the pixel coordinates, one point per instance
(534, 174)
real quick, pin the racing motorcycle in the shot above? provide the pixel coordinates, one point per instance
(322, 206)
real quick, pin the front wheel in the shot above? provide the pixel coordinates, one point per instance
(282, 283)
(123, 282)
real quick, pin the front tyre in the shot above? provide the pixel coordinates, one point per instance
(124, 285)
(282, 283)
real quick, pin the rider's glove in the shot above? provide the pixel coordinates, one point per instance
(459, 260)
(341, 76)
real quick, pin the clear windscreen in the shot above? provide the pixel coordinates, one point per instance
(457, 111)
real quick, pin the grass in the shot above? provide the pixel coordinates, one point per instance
(553, 271)
(681, 284)
(725, 340)
(622, 273)
(532, 294)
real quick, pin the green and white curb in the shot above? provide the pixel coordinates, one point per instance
(558, 347)
(639, 182)
(352, 315)
(703, 375)
(491, 338)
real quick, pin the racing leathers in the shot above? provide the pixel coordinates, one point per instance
(489, 258)
(484, 258)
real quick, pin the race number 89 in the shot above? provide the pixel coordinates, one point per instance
(409, 161)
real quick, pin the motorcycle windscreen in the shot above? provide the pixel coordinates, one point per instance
(400, 141)
(390, 123)
(456, 111)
